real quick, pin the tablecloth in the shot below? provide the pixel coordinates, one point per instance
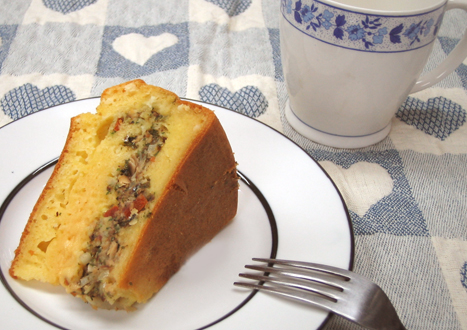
(406, 195)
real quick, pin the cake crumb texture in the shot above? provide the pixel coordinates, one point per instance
(139, 187)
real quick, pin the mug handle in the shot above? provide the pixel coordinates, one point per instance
(454, 59)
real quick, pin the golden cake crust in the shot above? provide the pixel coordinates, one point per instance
(198, 200)
(207, 173)
(191, 201)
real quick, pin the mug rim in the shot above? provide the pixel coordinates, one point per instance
(359, 31)
(383, 12)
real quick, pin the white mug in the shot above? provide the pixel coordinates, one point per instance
(350, 64)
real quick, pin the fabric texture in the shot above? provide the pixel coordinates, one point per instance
(406, 195)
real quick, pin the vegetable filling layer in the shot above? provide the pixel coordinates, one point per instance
(129, 188)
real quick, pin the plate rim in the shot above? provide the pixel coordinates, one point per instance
(336, 189)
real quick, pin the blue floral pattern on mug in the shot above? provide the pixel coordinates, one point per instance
(359, 31)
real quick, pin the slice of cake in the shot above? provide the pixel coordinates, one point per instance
(139, 187)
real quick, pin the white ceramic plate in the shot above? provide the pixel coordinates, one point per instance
(288, 207)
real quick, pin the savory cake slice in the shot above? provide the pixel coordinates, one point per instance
(139, 187)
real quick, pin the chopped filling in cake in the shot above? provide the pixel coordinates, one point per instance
(129, 188)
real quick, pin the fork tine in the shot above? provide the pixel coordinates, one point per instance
(360, 300)
(294, 294)
(308, 265)
(325, 291)
(303, 274)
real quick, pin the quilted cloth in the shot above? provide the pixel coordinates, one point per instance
(407, 195)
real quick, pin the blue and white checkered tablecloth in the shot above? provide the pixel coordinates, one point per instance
(407, 195)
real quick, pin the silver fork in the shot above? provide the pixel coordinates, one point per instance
(340, 291)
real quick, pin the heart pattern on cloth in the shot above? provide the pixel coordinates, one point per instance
(395, 214)
(26, 99)
(139, 49)
(249, 100)
(67, 6)
(232, 7)
(363, 184)
(439, 117)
